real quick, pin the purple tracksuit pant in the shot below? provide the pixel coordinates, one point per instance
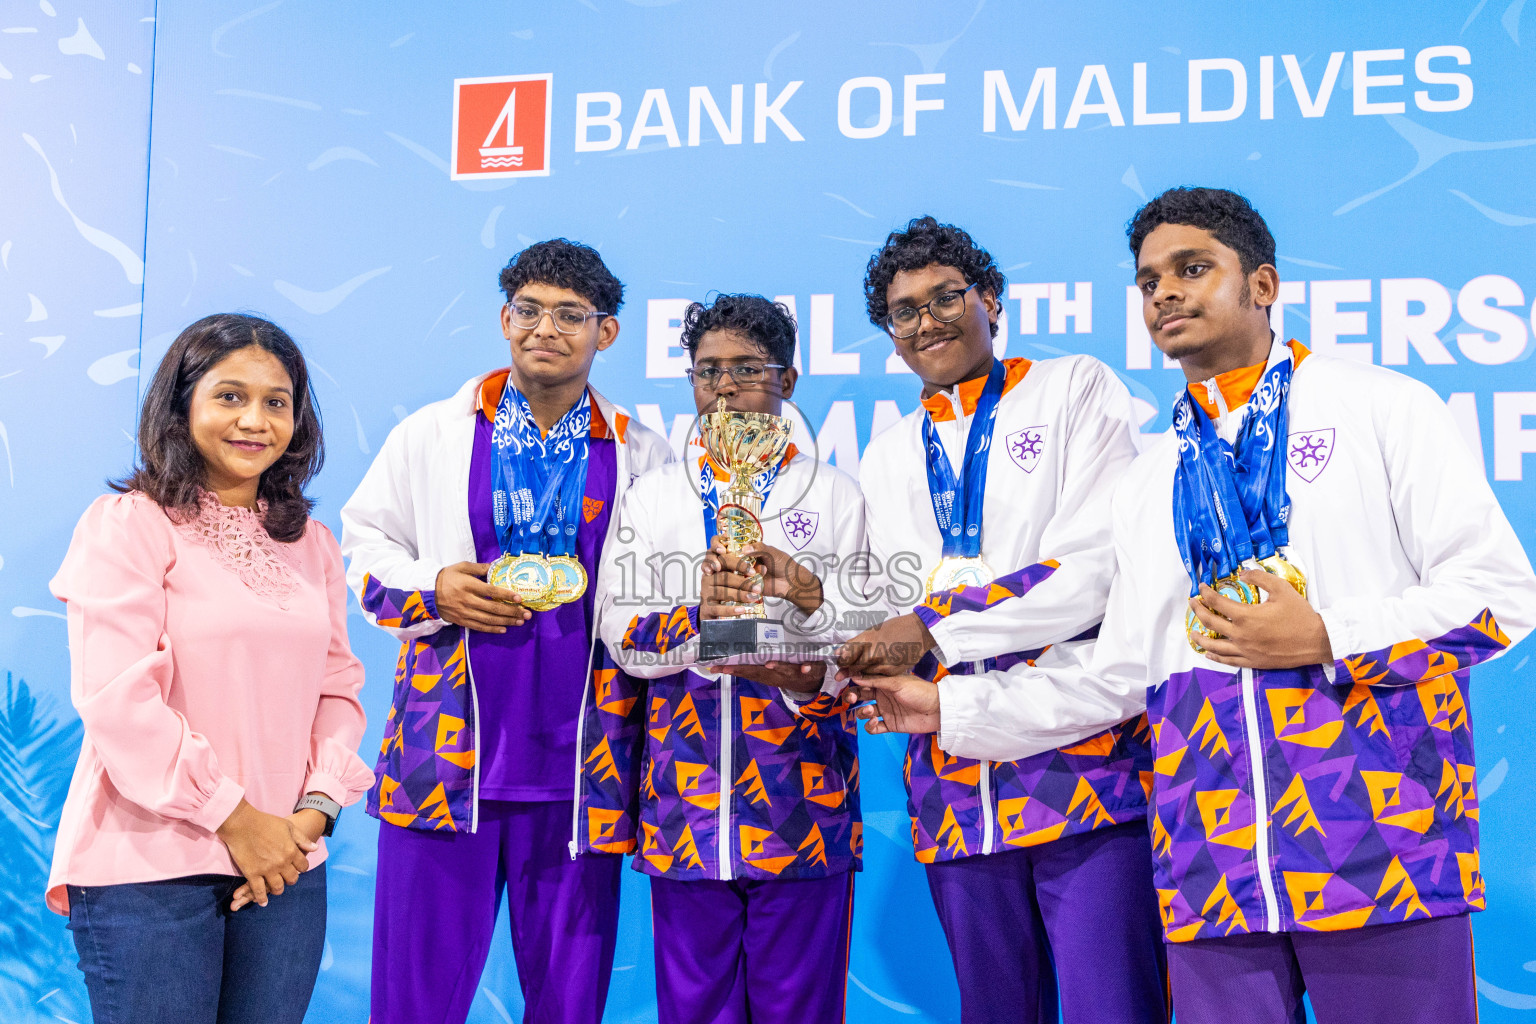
(752, 952)
(435, 910)
(1385, 974)
(1074, 920)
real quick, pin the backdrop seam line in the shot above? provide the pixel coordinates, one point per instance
(149, 170)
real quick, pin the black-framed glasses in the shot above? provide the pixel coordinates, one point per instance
(567, 319)
(745, 375)
(945, 307)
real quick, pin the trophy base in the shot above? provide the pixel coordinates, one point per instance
(737, 638)
(756, 642)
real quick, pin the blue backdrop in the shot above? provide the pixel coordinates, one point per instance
(160, 161)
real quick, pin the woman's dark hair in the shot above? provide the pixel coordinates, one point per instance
(170, 468)
(925, 242)
(769, 324)
(565, 264)
(1229, 218)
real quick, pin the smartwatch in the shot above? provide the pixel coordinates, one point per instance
(325, 805)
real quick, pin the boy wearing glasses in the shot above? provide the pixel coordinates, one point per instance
(1309, 564)
(997, 491)
(747, 784)
(514, 478)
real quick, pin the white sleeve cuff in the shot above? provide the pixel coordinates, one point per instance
(954, 716)
(1341, 637)
(946, 643)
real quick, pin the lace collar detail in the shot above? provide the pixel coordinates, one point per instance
(240, 543)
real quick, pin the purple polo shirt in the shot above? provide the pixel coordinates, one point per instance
(529, 679)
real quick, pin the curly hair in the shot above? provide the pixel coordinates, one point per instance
(565, 264)
(171, 470)
(925, 242)
(769, 324)
(1229, 217)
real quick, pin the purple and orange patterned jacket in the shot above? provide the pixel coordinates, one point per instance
(717, 776)
(1326, 797)
(407, 520)
(1060, 442)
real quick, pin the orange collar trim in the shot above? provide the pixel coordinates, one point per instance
(940, 409)
(1237, 386)
(491, 390)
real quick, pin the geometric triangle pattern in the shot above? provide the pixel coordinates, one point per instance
(660, 632)
(396, 609)
(1373, 812)
(611, 745)
(424, 778)
(791, 787)
(944, 603)
(1100, 781)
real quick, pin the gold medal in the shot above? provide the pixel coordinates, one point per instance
(954, 572)
(1280, 566)
(1229, 587)
(568, 579)
(1235, 589)
(528, 576)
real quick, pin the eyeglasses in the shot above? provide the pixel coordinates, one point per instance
(745, 374)
(946, 308)
(567, 319)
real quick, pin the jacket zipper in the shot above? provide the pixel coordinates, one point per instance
(727, 773)
(961, 429)
(467, 543)
(620, 485)
(474, 702)
(984, 787)
(1255, 742)
(581, 720)
(986, 807)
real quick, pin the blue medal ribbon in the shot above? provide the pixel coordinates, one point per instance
(538, 480)
(1229, 500)
(763, 482)
(957, 503)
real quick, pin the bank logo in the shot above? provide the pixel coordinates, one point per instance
(501, 126)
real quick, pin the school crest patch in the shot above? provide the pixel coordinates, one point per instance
(1308, 452)
(1026, 446)
(799, 526)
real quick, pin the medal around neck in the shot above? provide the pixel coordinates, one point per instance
(750, 447)
(537, 483)
(568, 579)
(1235, 589)
(527, 576)
(954, 573)
(1231, 510)
(958, 500)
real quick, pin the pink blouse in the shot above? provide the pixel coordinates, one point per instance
(208, 663)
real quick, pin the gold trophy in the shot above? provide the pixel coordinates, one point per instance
(744, 444)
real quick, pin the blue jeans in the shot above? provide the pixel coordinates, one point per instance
(171, 951)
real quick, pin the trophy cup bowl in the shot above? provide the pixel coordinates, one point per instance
(744, 444)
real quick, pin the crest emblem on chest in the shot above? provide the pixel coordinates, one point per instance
(1309, 451)
(799, 526)
(1025, 446)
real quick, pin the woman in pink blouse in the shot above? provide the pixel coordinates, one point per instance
(210, 665)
